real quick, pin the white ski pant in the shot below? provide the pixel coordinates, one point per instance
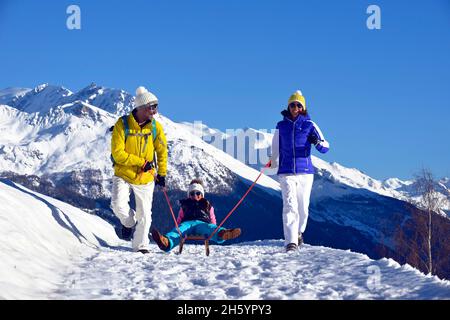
(296, 190)
(142, 217)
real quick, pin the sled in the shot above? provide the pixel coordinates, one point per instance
(200, 238)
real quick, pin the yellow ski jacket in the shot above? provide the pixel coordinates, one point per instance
(140, 146)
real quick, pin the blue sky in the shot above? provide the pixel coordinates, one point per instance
(381, 97)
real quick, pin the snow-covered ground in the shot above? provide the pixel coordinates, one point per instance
(256, 270)
(39, 239)
(51, 250)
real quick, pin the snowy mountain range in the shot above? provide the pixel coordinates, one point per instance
(52, 250)
(260, 141)
(57, 142)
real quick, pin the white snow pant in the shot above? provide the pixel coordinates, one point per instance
(296, 190)
(142, 217)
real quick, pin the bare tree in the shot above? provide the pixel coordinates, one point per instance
(431, 202)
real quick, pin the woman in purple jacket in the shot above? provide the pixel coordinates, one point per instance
(291, 153)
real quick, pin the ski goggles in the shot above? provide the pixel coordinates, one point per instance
(195, 193)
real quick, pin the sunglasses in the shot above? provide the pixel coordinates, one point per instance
(151, 106)
(295, 104)
(195, 193)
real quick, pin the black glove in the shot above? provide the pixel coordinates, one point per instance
(160, 181)
(313, 139)
(147, 166)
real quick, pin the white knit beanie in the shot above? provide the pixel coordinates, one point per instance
(143, 97)
(196, 187)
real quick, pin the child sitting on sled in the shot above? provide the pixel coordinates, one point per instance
(196, 217)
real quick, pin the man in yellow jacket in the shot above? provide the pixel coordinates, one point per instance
(136, 146)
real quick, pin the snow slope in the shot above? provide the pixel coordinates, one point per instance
(8, 95)
(409, 189)
(39, 239)
(51, 250)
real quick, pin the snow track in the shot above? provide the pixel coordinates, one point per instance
(256, 270)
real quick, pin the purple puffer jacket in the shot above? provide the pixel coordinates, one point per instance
(292, 143)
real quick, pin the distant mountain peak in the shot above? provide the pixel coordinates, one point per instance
(45, 97)
(11, 94)
(40, 87)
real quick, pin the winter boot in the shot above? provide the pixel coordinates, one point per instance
(229, 234)
(291, 247)
(161, 241)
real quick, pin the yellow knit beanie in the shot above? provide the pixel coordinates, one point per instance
(297, 96)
